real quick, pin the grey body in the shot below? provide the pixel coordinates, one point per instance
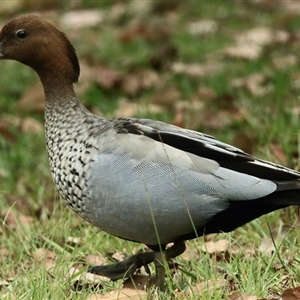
(135, 187)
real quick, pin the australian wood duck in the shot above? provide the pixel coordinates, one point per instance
(138, 179)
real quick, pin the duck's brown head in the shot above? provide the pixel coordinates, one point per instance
(35, 42)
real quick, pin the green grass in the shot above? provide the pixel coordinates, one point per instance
(26, 186)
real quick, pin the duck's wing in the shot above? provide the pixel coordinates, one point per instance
(206, 146)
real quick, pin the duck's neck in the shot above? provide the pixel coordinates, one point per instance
(61, 101)
(56, 88)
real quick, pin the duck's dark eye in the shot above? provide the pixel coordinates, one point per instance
(21, 34)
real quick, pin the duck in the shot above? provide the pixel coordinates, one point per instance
(138, 179)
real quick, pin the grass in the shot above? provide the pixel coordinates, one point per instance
(26, 186)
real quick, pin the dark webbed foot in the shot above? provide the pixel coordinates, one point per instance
(125, 268)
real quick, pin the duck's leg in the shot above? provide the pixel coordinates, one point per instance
(125, 268)
(160, 271)
(161, 257)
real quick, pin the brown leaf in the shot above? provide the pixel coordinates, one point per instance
(191, 252)
(249, 52)
(215, 247)
(105, 77)
(245, 251)
(19, 203)
(139, 80)
(166, 96)
(203, 27)
(118, 256)
(95, 260)
(255, 83)
(267, 244)
(197, 70)
(291, 294)
(121, 294)
(249, 44)
(46, 257)
(284, 62)
(14, 219)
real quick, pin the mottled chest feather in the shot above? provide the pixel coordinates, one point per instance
(73, 143)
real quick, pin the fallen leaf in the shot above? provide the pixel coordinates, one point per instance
(215, 247)
(267, 245)
(191, 252)
(245, 251)
(186, 113)
(262, 36)
(139, 80)
(13, 219)
(166, 96)
(255, 83)
(95, 260)
(250, 43)
(203, 27)
(197, 70)
(249, 52)
(45, 257)
(103, 76)
(291, 294)
(203, 94)
(284, 62)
